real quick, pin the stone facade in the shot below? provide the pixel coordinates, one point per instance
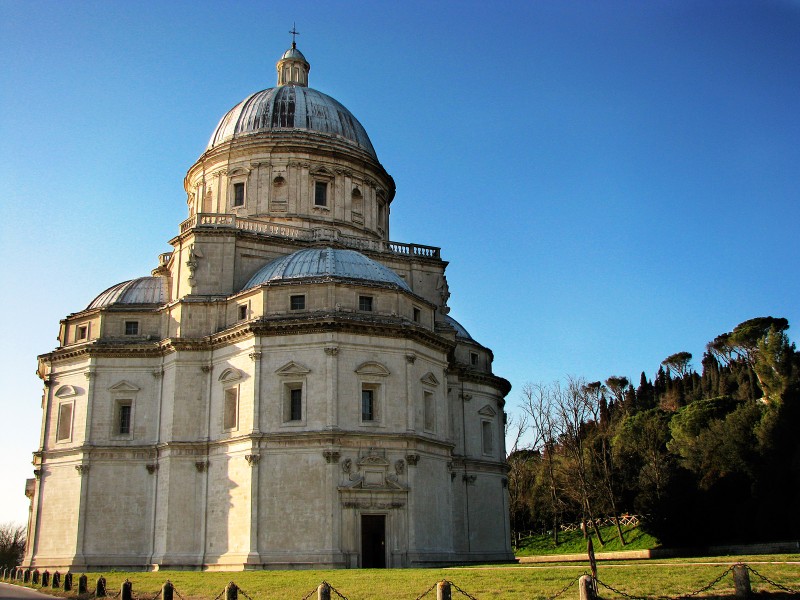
(226, 414)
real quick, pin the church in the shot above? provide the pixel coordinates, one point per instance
(287, 389)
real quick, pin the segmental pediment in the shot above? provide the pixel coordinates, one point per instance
(372, 368)
(230, 374)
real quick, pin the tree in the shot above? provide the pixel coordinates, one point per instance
(12, 544)
(678, 363)
(538, 406)
(573, 409)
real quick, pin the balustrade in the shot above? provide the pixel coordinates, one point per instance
(222, 220)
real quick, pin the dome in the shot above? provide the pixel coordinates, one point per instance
(144, 290)
(326, 263)
(290, 107)
(293, 53)
(461, 333)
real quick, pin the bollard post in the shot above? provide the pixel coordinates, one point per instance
(35, 577)
(127, 590)
(27, 575)
(324, 591)
(46, 578)
(83, 584)
(231, 591)
(56, 580)
(741, 581)
(586, 588)
(100, 589)
(166, 590)
(68, 582)
(443, 590)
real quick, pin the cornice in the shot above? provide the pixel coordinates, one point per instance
(318, 322)
(473, 376)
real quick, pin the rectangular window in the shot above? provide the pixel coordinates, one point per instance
(320, 193)
(365, 303)
(242, 312)
(231, 409)
(124, 417)
(64, 428)
(296, 404)
(131, 327)
(297, 302)
(417, 315)
(487, 437)
(82, 332)
(473, 359)
(367, 405)
(238, 194)
(430, 413)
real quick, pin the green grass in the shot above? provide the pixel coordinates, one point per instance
(673, 578)
(572, 542)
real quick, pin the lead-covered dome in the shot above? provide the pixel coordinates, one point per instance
(144, 290)
(290, 107)
(324, 264)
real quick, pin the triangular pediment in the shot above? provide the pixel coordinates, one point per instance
(124, 386)
(321, 171)
(293, 368)
(429, 379)
(66, 391)
(230, 374)
(372, 368)
(487, 411)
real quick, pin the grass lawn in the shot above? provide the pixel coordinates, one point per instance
(673, 578)
(572, 542)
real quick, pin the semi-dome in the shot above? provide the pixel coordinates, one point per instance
(144, 290)
(326, 263)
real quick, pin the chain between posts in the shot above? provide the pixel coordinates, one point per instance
(423, 594)
(566, 587)
(458, 589)
(334, 590)
(243, 593)
(768, 580)
(220, 594)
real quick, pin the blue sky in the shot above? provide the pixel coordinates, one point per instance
(611, 181)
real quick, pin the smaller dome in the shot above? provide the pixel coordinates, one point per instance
(461, 333)
(144, 290)
(326, 263)
(294, 53)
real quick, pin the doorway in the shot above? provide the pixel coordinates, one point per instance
(373, 541)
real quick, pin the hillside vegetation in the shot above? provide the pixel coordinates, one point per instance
(706, 458)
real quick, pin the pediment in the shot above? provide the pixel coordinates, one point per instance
(67, 391)
(230, 374)
(487, 411)
(372, 368)
(293, 368)
(321, 171)
(373, 459)
(124, 386)
(429, 379)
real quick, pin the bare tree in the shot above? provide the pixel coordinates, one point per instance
(538, 406)
(573, 409)
(12, 544)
